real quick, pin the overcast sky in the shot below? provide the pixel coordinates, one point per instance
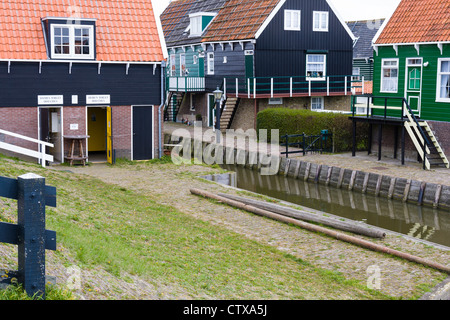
(350, 10)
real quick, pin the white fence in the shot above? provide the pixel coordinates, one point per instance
(40, 154)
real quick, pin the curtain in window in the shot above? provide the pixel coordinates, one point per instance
(445, 79)
(390, 80)
(315, 66)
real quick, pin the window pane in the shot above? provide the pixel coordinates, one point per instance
(445, 86)
(288, 19)
(65, 32)
(316, 20)
(445, 66)
(86, 50)
(65, 40)
(77, 32)
(57, 31)
(295, 17)
(324, 24)
(316, 58)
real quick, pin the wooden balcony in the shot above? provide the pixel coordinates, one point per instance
(186, 84)
(279, 87)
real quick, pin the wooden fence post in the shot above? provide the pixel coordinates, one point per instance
(31, 233)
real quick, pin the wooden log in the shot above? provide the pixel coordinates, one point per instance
(314, 228)
(310, 217)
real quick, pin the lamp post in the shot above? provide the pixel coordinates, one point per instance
(218, 96)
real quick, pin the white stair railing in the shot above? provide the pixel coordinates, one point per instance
(40, 154)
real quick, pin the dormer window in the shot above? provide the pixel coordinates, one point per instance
(72, 42)
(199, 22)
(72, 39)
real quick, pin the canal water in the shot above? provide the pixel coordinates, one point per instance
(420, 222)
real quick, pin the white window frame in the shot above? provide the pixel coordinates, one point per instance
(320, 17)
(324, 63)
(319, 100)
(383, 67)
(290, 20)
(210, 64)
(71, 54)
(173, 65)
(196, 26)
(356, 74)
(439, 79)
(183, 65)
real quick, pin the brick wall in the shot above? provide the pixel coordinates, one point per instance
(442, 132)
(440, 129)
(156, 130)
(121, 131)
(72, 117)
(22, 121)
(388, 143)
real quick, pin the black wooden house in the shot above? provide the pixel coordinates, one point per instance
(81, 71)
(292, 53)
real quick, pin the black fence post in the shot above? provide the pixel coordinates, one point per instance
(31, 234)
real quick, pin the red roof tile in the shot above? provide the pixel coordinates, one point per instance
(118, 23)
(418, 21)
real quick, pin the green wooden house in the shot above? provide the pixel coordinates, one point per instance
(411, 79)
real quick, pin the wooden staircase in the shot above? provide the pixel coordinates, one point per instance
(425, 142)
(228, 113)
(173, 104)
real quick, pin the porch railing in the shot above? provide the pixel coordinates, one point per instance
(272, 87)
(186, 84)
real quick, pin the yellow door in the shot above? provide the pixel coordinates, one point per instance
(97, 129)
(109, 135)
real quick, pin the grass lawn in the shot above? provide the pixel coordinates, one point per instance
(130, 235)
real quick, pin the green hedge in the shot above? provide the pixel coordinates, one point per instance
(292, 121)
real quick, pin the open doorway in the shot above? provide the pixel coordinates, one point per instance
(96, 123)
(50, 130)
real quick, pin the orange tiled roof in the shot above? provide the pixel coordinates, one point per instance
(126, 30)
(239, 20)
(418, 21)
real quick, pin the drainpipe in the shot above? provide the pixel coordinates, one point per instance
(160, 149)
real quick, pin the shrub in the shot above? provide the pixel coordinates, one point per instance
(292, 121)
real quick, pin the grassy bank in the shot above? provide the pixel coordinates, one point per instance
(129, 235)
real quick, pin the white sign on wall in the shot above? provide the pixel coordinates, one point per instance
(98, 99)
(50, 100)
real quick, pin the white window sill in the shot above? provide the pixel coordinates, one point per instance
(71, 57)
(315, 79)
(388, 91)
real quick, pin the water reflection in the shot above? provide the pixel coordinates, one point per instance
(417, 221)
